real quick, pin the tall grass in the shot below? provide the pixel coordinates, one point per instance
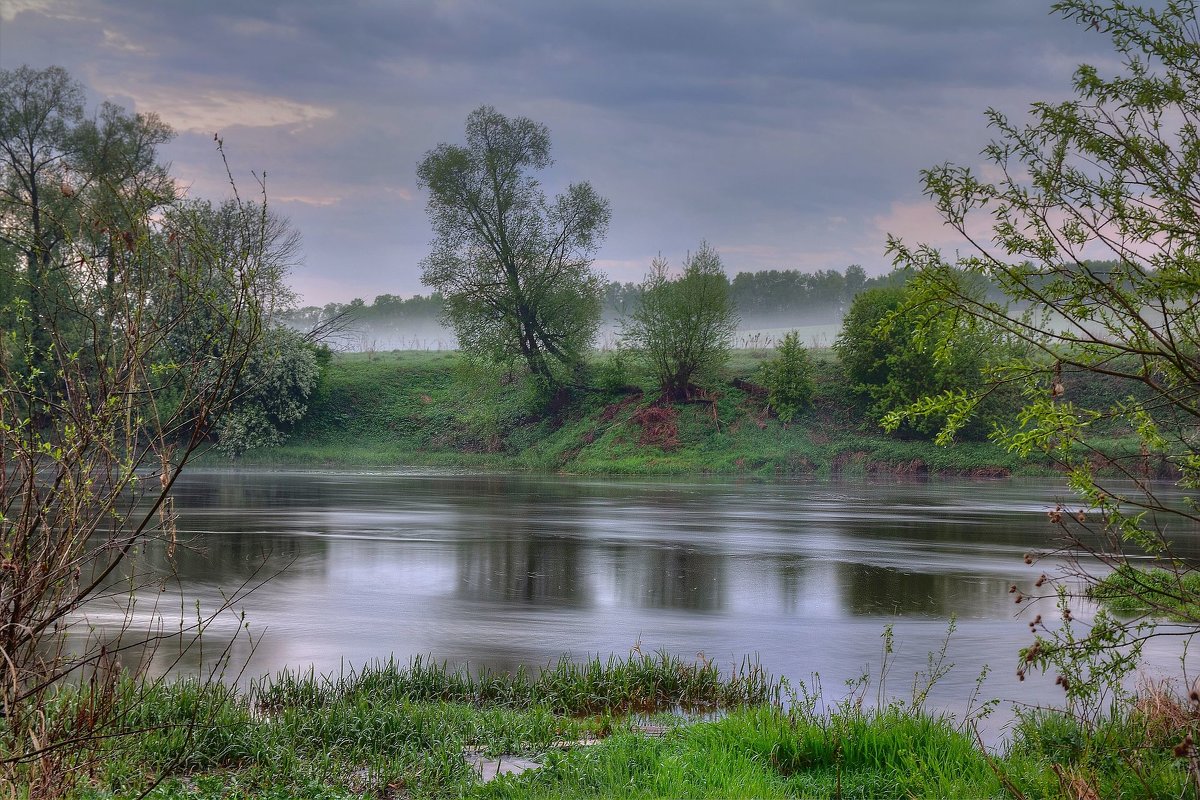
(386, 725)
(392, 731)
(642, 682)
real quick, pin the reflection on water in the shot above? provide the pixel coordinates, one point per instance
(502, 571)
(535, 570)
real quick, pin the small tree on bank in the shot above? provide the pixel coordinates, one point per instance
(788, 378)
(514, 270)
(683, 326)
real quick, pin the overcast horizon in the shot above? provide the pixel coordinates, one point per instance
(789, 135)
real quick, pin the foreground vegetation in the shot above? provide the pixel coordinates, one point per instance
(648, 726)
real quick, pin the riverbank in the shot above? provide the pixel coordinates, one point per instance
(437, 409)
(646, 726)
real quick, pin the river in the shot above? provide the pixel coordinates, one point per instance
(500, 571)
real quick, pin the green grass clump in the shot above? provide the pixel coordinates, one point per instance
(387, 731)
(893, 753)
(1130, 753)
(372, 730)
(1158, 592)
(771, 753)
(642, 682)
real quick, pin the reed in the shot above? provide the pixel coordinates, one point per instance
(390, 730)
(642, 682)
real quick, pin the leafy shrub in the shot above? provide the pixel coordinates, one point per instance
(891, 362)
(279, 377)
(683, 327)
(614, 372)
(788, 378)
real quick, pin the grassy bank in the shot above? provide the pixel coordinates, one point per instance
(649, 726)
(422, 408)
(1133, 591)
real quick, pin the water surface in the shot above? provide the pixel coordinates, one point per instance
(501, 571)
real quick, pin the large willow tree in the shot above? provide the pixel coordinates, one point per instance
(515, 269)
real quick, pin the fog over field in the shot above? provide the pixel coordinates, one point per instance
(769, 303)
(758, 332)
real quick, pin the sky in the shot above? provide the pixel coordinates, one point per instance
(789, 134)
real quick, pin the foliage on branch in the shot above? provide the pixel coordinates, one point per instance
(1092, 233)
(894, 359)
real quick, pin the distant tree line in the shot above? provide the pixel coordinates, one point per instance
(821, 296)
(386, 311)
(825, 292)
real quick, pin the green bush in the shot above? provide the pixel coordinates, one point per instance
(891, 361)
(273, 392)
(788, 378)
(613, 372)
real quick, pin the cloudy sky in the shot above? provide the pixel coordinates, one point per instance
(788, 133)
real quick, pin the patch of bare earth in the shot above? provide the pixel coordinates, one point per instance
(659, 427)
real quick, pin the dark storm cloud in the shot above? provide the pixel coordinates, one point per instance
(787, 133)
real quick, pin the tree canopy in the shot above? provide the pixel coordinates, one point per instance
(514, 269)
(71, 188)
